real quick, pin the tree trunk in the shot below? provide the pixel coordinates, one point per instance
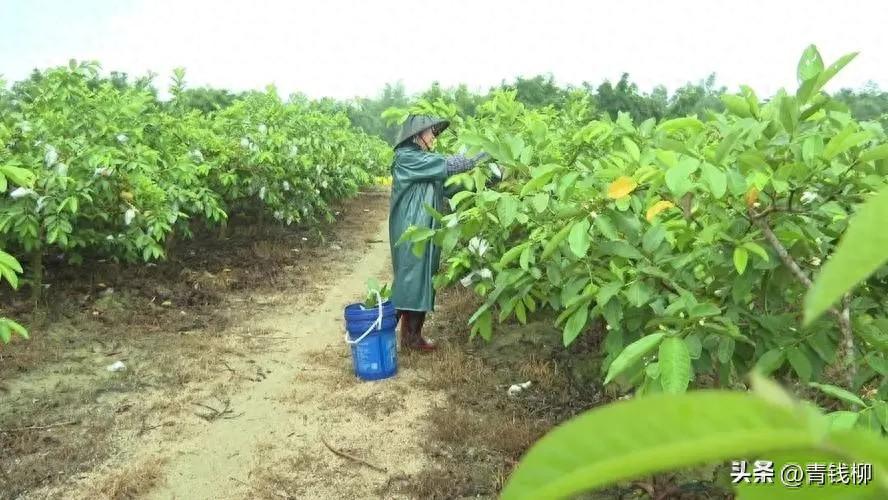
(37, 282)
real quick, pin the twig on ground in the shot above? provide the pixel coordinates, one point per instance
(353, 458)
(40, 427)
(225, 413)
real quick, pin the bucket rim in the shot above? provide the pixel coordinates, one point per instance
(360, 306)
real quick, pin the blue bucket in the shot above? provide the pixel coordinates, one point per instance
(370, 332)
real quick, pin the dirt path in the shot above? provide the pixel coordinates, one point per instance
(271, 358)
(308, 392)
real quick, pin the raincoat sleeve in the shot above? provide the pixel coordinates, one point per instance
(458, 164)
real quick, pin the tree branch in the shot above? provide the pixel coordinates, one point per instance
(843, 317)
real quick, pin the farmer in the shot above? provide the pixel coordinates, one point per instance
(418, 177)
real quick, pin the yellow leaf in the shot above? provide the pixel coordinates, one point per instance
(621, 187)
(752, 196)
(657, 208)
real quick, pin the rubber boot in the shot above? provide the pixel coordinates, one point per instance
(411, 331)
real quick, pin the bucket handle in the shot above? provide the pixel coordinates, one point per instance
(377, 324)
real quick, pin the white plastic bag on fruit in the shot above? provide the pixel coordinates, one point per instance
(478, 246)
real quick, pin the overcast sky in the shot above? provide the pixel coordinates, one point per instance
(346, 48)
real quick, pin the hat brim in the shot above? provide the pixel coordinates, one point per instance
(437, 127)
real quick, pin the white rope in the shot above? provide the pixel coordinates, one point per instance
(377, 323)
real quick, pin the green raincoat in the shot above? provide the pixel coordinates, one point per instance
(417, 179)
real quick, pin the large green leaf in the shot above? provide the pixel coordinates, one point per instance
(662, 432)
(506, 209)
(620, 249)
(579, 240)
(810, 65)
(770, 361)
(653, 237)
(604, 225)
(716, 180)
(677, 124)
(678, 178)
(639, 293)
(862, 250)
(741, 257)
(632, 354)
(800, 363)
(575, 323)
(838, 392)
(877, 153)
(675, 365)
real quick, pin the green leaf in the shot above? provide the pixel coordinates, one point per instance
(525, 259)
(653, 237)
(678, 178)
(757, 249)
(632, 149)
(540, 177)
(839, 393)
(632, 354)
(726, 347)
(833, 70)
(695, 346)
(800, 363)
(812, 148)
(736, 105)
(606, 227)
(10, 276)
(575, 324)
(741, 257)
(675, 365)
(639, 293)
(862, 250)
(620, 249)
(15, 327)
(677, 124)
(666, 432)
(770, 361)
(506, 210)
(703, 310)
(459, 197)
(608, 291)
(842, 420)
(789, 113)
(19, 176)
(810, 65)
(10, 262)
(579, 240)
(877, 153)
(877, 363)
(540, 202)
(843, 141)
(512, 254)
(556, 240)
(716, 180)
(880, 408)
(485, 325)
